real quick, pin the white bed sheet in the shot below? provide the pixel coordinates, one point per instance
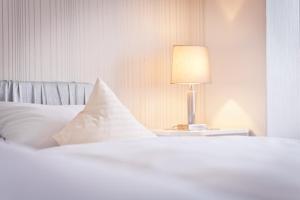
(27, 175)
(235, 168)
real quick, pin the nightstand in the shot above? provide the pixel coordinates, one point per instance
(208, 132)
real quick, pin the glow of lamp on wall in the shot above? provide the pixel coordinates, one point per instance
(190, 66)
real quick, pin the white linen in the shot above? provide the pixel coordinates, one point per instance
(221, 168)
(104, 118)
(26, 175)
(34, 124)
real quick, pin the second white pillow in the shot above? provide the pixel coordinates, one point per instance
(103, 118)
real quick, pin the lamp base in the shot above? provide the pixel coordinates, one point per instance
(191, 104)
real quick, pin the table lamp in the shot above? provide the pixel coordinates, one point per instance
(190, 66)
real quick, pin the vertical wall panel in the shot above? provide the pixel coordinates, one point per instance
(128, 43)
(283, 69)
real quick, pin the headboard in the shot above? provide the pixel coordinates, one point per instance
(50, 93)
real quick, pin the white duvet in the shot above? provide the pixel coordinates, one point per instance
(220, 168)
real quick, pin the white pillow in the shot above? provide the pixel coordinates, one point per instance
(34, 124)
(103, 118)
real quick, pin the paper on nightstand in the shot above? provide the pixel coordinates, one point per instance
(190, 127)
(197, 127)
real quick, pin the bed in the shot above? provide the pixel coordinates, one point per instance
(213, 168)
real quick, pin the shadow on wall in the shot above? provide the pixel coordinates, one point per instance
(231, 8)
(232, 115)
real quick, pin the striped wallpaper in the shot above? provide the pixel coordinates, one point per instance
(128, 43)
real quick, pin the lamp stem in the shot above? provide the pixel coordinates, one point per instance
(191, 99)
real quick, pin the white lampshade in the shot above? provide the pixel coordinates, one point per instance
(190, 65)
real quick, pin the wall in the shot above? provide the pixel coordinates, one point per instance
(235, 34)
(126, 42)
(129, 44)
(283, 47)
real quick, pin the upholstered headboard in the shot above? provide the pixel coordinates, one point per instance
(50, 93)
